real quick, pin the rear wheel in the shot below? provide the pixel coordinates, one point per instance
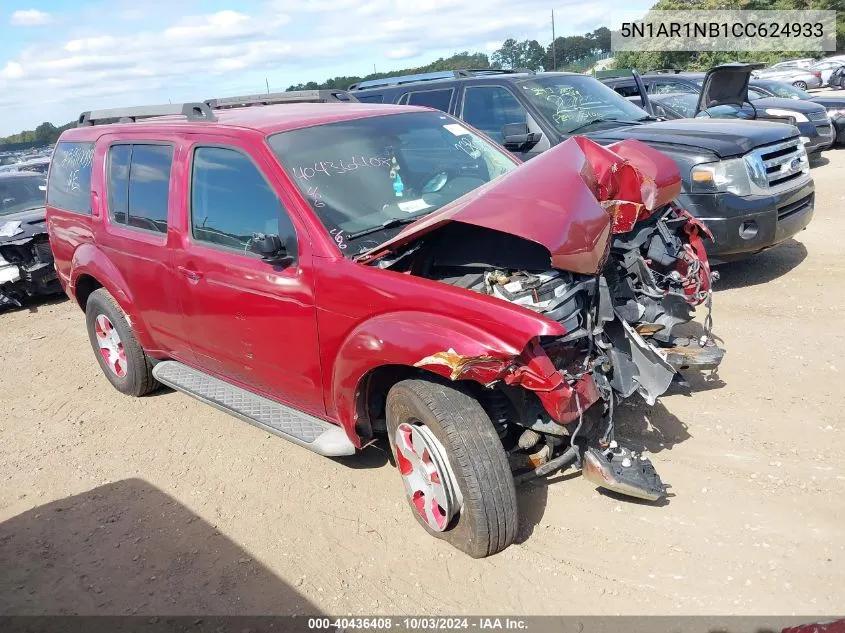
(120, 355)
(801, 85)
(453, 466)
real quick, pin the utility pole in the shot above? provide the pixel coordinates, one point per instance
(554, 56)
(267, 83)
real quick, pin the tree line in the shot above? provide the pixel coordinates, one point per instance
(44, 134)
(528, 54)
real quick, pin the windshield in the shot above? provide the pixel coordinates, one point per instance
(19, 193)
(367, 177)
(787, 91)
(570, 101)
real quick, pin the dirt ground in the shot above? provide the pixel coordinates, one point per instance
(162, 505)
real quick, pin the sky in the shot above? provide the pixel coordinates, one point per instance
(59, 58)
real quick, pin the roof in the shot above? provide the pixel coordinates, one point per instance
(433, 84)
(266, 120)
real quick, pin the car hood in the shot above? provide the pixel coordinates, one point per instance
(798, 105)
(723, 137)
(32, 223)
(568, 199)
(725, 85)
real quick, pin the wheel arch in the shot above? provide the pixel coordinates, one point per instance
(91, 269)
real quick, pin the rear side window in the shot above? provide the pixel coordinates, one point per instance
(231, 200)
(69, 186)
(438, 99)
(138, 185)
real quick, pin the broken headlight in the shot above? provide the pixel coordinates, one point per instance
(725, 176)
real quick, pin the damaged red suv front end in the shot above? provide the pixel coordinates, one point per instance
(625, 266)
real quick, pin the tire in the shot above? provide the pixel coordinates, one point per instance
(487, 520)
(131, 373)
(801, 85)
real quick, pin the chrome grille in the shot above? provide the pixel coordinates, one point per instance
(782, 163)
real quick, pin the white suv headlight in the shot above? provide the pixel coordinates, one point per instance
(726, 176)
(797, 116)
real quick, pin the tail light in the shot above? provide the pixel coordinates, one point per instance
(816, 73)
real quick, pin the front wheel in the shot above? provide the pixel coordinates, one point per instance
(455, 471)
(801, 85)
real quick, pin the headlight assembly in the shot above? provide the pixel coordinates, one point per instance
(726, 176)
(786, 114)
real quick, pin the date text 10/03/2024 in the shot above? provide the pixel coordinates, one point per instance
(417, 624)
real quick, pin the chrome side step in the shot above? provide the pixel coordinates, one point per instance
(300, 428)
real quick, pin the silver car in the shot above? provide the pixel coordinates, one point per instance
(802, 78)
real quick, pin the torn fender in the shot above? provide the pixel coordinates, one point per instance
(532, 370)
(453, 348)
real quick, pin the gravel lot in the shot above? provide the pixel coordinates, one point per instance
(162, 505)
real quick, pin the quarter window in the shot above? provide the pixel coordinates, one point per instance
(139, 184)
(69, 186)
(231, 201)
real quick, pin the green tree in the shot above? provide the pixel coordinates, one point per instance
(525, 54)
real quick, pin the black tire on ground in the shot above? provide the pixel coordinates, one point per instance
(138, 379)
(801, 85)
(488, 520)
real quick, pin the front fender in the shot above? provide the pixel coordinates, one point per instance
(443, 345)
(89, 260)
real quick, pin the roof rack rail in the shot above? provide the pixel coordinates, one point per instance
(293, 96)
(432, 76)
(191, 111)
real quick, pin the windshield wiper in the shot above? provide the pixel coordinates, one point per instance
(594, 121)
(387, 224)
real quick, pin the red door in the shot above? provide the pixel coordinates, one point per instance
(247, 320)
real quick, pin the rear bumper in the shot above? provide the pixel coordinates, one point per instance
(742, 226)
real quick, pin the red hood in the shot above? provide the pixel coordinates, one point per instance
(569, 199)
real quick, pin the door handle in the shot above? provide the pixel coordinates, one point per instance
(192, 275)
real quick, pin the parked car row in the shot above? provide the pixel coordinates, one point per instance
(677, 96)
(805, 74)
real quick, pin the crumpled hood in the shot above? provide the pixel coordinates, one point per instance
(569, 199)
(32, 223)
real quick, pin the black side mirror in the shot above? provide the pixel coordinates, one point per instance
(517, 137)
(271, 249)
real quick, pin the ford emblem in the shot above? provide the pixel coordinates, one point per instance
(795, 164)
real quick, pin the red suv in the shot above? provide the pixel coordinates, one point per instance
(336, 272)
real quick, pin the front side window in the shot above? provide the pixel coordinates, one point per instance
(490, 108)
(684, 104)
(368, 177)
(139, 185)
(438, 99)
(573, 102)
(69, 186)
(20, 193)
(231, 200)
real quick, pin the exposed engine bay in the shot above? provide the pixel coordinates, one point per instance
(26, 265)
(620, 324)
